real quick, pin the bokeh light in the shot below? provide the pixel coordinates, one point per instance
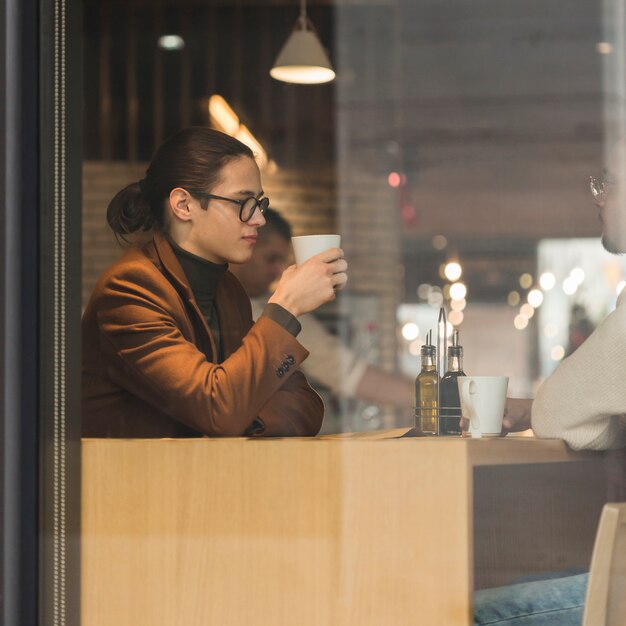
(455, 317)
(458, 305)
(578, 275)
(535, 298)
(393, 179)
(513, 298)
(439, 242)
(570, 286)
(547, 280)
(415, 347)
(435, 297)
(520, 322)
(410, 331)
(458, 291)
(525, 281)
(171, 42)
(453, 271)
(557, 353)
(423, 290)
(550, 330)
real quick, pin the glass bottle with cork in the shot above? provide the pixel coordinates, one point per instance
(450, 409)
(427, 391)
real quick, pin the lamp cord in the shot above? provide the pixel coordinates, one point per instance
(303, 14)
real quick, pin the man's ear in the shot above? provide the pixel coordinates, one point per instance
(179, 204)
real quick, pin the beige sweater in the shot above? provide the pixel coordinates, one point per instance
(584, 401)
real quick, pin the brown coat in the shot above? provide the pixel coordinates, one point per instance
(148, 367)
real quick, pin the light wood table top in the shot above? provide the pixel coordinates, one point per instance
(365, 529)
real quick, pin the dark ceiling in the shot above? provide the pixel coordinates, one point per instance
(136, 94)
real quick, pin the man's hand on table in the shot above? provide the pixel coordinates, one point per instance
(516, 415)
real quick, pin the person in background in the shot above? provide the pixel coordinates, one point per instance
(330, 362)
(583, 402)
(169, 347)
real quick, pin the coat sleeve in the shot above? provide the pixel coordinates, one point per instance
(331, 363)
(294, 410)
(146, 354)
(584, 401)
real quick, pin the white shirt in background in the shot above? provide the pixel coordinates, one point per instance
(584, 400)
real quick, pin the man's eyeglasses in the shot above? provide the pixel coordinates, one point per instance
(597, 188)
(600, 188)
(247, 207)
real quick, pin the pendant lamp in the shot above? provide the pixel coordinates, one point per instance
(302, 59)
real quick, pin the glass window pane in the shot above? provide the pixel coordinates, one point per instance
(452, 152)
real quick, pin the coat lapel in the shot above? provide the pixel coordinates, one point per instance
(177, 277)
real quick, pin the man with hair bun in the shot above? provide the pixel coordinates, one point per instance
(169, 345)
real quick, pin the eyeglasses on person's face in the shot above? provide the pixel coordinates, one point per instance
(247, 207)
(600, 188)
(597, 188)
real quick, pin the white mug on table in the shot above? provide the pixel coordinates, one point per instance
(482, 404)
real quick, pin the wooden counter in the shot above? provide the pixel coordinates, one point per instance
(331, 531)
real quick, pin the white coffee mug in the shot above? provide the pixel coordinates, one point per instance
(306, 246)
(482, 404)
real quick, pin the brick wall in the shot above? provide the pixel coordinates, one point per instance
(370, 238)
(101, 181)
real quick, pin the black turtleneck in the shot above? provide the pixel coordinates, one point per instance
(203, 277)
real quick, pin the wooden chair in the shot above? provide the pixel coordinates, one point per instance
(605, 604)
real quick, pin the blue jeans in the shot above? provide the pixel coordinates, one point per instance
(547, 602)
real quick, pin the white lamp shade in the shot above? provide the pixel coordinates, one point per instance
(303, 60)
